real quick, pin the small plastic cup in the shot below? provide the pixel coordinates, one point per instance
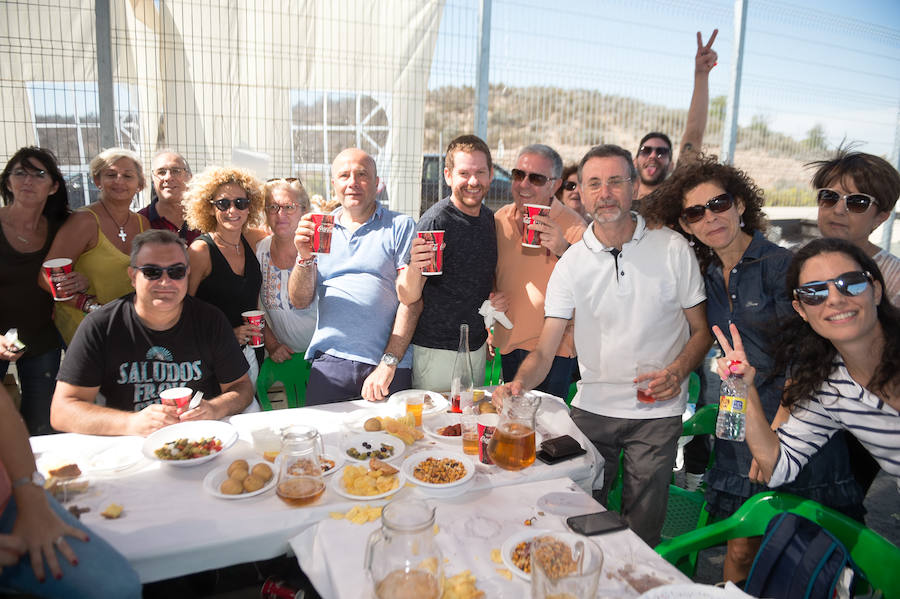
(643, 387)
(176, 396)
(256, 318)
(321, 241)
(531, 238)
(414, 406)
(55, 270)
(436, 241)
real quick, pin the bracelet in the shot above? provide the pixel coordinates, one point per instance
(93, 305)
(306, 262)
(84, 301)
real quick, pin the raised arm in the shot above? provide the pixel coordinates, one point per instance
(302, 284)
(410, 280)
(704, 61)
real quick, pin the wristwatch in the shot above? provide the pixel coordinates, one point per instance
(390, 359)
(35, 478)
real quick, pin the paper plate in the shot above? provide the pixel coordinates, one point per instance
(193, 431)
(430, 424)
(409, 465)
(506, 550)
(121, 453)
(434, 402)
(337, 485)
(374, 440)
(213, 481)
(692, 591)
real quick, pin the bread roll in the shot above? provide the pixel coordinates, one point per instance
(253, 483)
(262, 471)
(231, 487)
(238, 465)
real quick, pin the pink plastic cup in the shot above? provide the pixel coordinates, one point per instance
(436, 241)
(55, 270)
(531, 238)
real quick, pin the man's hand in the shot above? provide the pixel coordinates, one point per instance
(420, 254)
(205, 411)
(756, 474)
(152, 418)
(552, 236)
(303, 237)
(7, 350)
(664, 384)
(377, 385)
(706, 57)
(499, 301)
(244, 332)
(507, 390)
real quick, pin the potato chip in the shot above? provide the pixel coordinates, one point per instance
(496, 556)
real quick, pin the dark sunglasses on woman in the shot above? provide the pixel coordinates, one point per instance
(856, 202)
(718, 204)
(570, 185)
(224, 204)
(851, 284)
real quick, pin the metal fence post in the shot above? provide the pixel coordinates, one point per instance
(103, 24)
(889, 223)
(482, 81)
(729, 135)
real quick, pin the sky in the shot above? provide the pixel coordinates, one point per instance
(805, 62)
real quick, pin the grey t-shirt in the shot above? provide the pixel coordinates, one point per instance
(453, 298)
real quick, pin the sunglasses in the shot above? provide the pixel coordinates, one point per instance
(534, 178)
(856, 202)
(851, 284)
(717, 205)
(660, 151)
(570, 185)
(152, 272)
(224, 204)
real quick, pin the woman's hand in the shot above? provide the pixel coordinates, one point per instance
(244, 332)
(735, 360)
(8, 350)
(280, 352)
(43, 533)
(11, 550)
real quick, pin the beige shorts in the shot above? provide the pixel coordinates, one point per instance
(432, 367)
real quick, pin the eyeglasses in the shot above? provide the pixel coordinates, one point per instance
(287, 209)
(535, 179)
(152, 272)
(175, 171)
(224, 204)
(615, 184)
(285, 179)
(570, 185)
(21, 173)
(718, 204)
(856, 202)
(660, 151)
(851, 284)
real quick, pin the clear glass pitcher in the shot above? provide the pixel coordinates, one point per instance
(403, 559)
(512, 445)
(300, 479)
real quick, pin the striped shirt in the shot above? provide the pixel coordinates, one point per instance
(839, 403)
(889, 265)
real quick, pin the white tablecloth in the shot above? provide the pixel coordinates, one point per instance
(331, 553)
(172, 527)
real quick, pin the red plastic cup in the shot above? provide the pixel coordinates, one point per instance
(436, 240)
(54, 270)
(486, 423)
(322, 237)
(176, 396)
(531, 238)
(256, 318)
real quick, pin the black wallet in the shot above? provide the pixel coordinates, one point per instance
(558, 449)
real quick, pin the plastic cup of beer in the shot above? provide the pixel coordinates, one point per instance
(530, 237)
(414, 406)
(435, 239)
(257, 319)
(643, 387)
(469, 429)
(176, 396)
(321, 242)
(56, 270)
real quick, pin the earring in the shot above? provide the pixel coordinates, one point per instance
(692, 241)
(742, 222)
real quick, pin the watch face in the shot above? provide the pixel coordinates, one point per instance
(389, 359)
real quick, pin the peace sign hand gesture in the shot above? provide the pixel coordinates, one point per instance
(706, 57)
(735, 359)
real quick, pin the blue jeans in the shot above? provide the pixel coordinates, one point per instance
(101, 571)
(37, 377)
(558, 379)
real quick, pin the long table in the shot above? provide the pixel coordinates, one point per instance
(172, 527)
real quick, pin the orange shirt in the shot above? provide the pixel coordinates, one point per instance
(523, 273)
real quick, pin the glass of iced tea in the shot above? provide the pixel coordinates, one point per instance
(512, 446)
(300, 479)
(643, 387)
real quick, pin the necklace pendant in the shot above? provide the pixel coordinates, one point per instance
(122, 234)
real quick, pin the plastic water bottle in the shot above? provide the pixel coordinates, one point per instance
(732, 407)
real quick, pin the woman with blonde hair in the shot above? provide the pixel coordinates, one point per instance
(224, 202)
(97, 238)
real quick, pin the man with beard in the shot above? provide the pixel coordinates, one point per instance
(634, 295)
(171, 174)
(469, 260)
(523, 272)
(653, 160)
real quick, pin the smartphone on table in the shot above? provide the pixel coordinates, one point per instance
(597, 523)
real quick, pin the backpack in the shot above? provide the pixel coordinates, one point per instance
(798, 559)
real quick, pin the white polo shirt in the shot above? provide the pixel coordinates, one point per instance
(626, 308)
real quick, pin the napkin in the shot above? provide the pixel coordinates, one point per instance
(490, 315)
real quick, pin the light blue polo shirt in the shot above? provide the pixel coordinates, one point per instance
(356, 285)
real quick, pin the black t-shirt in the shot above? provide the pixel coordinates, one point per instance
(132, 363)
(453, 298)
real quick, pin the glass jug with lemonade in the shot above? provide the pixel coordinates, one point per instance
(300, 479)
(512, 446)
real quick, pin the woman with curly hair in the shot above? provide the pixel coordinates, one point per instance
(719, 208)
(223, 202)
(844, 357)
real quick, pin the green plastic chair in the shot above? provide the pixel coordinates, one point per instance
(875, 556)
(292, 373)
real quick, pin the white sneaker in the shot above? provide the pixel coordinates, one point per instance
(692, 481)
